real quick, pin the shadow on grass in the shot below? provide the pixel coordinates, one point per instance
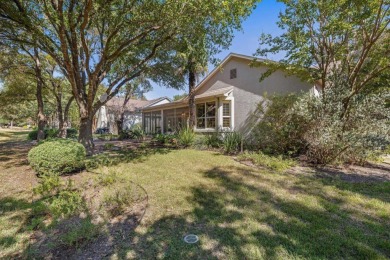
(14, 154)
(243, 214)
(112, 157)
(372, 186)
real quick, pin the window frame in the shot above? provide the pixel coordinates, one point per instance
(205, 116)
(228, 102)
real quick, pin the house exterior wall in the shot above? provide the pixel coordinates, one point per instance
(248, 91)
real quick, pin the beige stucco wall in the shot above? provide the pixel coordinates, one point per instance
(248, 91)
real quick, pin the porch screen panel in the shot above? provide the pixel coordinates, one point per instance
(169, 120)
(181, 117)
(156, 122)
(147, 122)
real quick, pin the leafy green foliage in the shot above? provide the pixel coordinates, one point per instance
(279, 131)
(57, 156)
(67, 203)
(134, 133)
(79, 233)
(165, 138)
(185, 137)
(326, 42)
(214, 140)
(58, 199)
(179, 96)
(108, 146)
(49, 184)
(355, 138)
(232, 142)
(277, 163)
(71, 133)
(140, 37)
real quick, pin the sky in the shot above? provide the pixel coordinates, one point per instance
(262, 20)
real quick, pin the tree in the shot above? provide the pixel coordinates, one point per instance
(324, 40)
(21, 66)
(344, 47)
(136, 87)
(17, 95)
(194, 56)
(60, 89)
(22, 59)
(110, 42)
(179, 96)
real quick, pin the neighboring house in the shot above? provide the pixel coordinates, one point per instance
(226, 99)
(107, 114)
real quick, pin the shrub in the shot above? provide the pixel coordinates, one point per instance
(338, 135)
(119, 199)
(213, 140)
(66, 203)
(134, 133)
(57, 156)
(138, 133)
(79, 233)
(279, 131)
(48, 185)
(186, 137)
(200, 141)
(71, 133)
(58, 199)
(231, 142)
(277, 163)
(33, 135)
(161, 138)
(108, 146)
(52, 133)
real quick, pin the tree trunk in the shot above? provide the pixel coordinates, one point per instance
(121, 121)
(119, 126)
(65, 119)
(11, 125)
(191, 98)
(61, 122)
(85, 133)
(40, 115)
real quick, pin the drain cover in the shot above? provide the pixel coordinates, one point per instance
(191, 239)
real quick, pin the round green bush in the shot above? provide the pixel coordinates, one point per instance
(57, 156)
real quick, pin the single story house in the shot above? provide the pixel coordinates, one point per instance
(108, 114)
(226, 99)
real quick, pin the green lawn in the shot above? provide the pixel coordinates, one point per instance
(7, 134)
(239, 212)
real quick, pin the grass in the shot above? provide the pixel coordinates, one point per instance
(242, 212)
(16, 134)
(238, 211)
(277, 163)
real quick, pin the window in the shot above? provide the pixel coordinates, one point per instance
(233, 73)
(205, 115)
(226, 114)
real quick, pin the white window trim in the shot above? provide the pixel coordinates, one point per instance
(229, 116)
(206, 129)
(218, 115)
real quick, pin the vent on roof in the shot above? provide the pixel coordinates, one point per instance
(233, 73)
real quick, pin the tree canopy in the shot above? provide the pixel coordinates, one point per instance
(112, 42)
